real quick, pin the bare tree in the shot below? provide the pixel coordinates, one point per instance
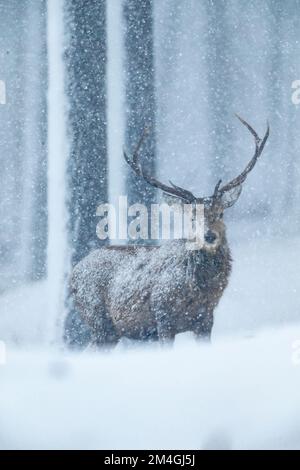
(87, 172)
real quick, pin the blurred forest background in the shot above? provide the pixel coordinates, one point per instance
(83, 77)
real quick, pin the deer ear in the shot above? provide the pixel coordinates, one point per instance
(230, 197)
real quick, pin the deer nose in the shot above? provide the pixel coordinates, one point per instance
(210, 236)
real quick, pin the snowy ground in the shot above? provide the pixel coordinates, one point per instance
(242, 391)
(241, 394)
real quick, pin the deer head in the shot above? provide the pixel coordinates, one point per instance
(223, 197)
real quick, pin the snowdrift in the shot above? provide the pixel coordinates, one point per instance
(241, 394)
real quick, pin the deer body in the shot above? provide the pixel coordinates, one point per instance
(150, 293)
(156, 292)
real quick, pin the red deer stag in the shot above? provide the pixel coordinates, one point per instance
(156, 292)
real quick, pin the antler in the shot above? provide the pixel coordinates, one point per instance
(259, 146)
(136, 167)
(219, 190)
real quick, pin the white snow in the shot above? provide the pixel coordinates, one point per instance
(241, 391)
(231, 394)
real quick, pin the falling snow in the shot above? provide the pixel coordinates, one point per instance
(79, 81)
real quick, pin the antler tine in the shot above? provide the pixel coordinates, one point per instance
(136, 167)
(259, 146)
(253, 132)
(184, 192)
(135, 154)
(133, 161)
(216, 190)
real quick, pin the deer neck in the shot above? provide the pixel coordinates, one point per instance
(204, 267)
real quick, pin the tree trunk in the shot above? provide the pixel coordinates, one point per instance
(140, 93)
(87, 169)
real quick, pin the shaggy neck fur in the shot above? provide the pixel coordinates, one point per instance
(204, 268)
